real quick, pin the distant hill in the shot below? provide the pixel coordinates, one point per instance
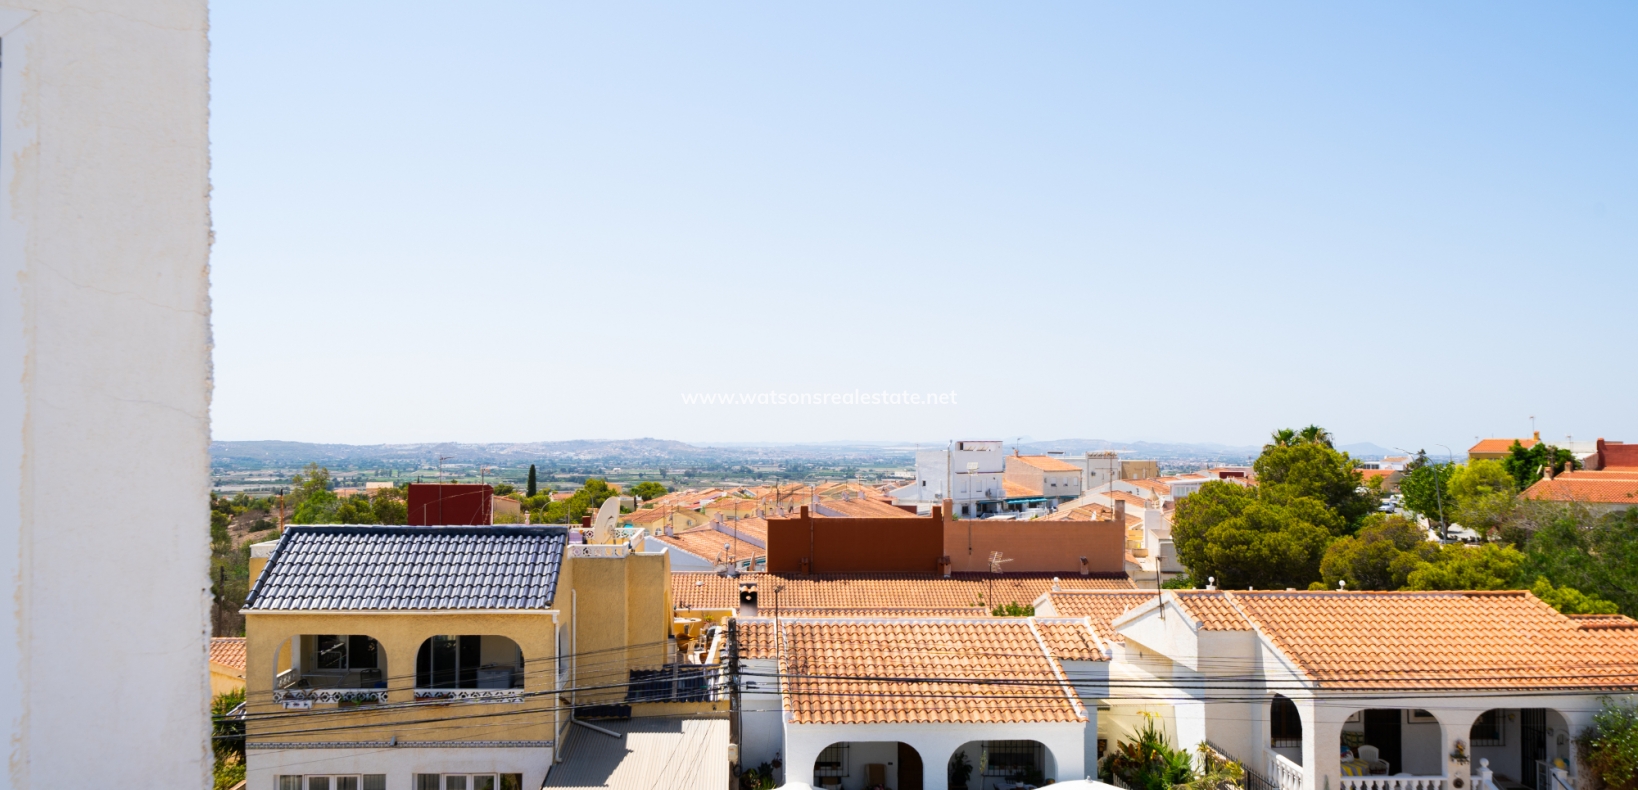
(266, 454)
(1367, 450)
(1157, 450)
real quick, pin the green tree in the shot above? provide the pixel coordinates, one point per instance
(1597, 555)
(1459, 567)
(1284, 437)
(1231, 533)
(1314, 470)
(228, 740)
(648, 490)
(1381, 557)
(390, 507)
(311, 501)
(1482, 496)
(1569, 600)
(529, 487)
(1314, 434)
(1427, 491)
(1525, 465)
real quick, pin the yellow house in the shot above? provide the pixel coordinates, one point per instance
(455, 657)
(227, 664)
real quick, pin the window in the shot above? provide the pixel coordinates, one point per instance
(467, 782)
(1487, 730)
(832, 761)
(469, 662)
(1012, 758)
(345, 652)
(332, 782)
(1284, 724)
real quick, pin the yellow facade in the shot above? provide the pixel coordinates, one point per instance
(609, 615)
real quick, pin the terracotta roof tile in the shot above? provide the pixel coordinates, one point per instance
(1609, 487)
(858, 508)
(707, 543)
(850, 672)
(1046, 463)
(1500, 445)
(1070, 639)
(229, 651)
(1100, 607)
(756, 637)
(908, 591)
(880, 614)
(1015, 490)
(691, 590)
(1213, 610)
(1506, 639)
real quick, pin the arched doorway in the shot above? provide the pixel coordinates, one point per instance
(891, 764)
(986, 764)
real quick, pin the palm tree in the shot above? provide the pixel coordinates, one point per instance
(1314, 434)
(1284, 437)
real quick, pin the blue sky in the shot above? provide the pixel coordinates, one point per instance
(1410, 223)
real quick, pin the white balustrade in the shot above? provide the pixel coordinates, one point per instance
(285, 679)
(1391, 783)
(330, 695)
(1484, 778)
(469, 695)
(1285, 773)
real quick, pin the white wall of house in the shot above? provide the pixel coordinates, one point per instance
(104, 357)
(399, 763)
(762, 722)
(941, 474)
(936, 743)
(680, 560)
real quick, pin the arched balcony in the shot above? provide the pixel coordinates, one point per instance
(469, 667)
(343, 669)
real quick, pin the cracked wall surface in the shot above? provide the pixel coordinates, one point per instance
(104, 417)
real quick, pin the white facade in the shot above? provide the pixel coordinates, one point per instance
(936, 744)
(968, 473)
(105, 358)
(399, 763)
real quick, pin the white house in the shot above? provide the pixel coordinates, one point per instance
(968, 472)
(1364, 690)
(853, 702)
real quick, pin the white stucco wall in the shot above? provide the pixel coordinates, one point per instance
(936, 743)
(105, 350)
(400, 764)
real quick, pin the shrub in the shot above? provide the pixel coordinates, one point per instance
(1609, 748)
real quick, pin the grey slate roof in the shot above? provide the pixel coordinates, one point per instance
(338, 568)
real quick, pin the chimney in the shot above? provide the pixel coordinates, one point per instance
(949, 508)
(1086, 569)
(944, 566)
(1547, 470)
(1120, 513)
(1536, 435)
(1598, 457)
(585, 521)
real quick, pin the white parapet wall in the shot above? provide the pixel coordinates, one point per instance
(105, 366)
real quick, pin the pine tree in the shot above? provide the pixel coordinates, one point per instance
(530, 489)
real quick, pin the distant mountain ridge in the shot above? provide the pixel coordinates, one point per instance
(283, 453)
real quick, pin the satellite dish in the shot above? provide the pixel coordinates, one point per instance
(606, 520)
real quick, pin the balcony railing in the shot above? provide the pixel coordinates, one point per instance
(1285, 774)
(1391, 783)
(469, 695)
(330, 695)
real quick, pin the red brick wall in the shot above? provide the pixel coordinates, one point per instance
(855, 545)
(434, 505)
(1055, 546)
